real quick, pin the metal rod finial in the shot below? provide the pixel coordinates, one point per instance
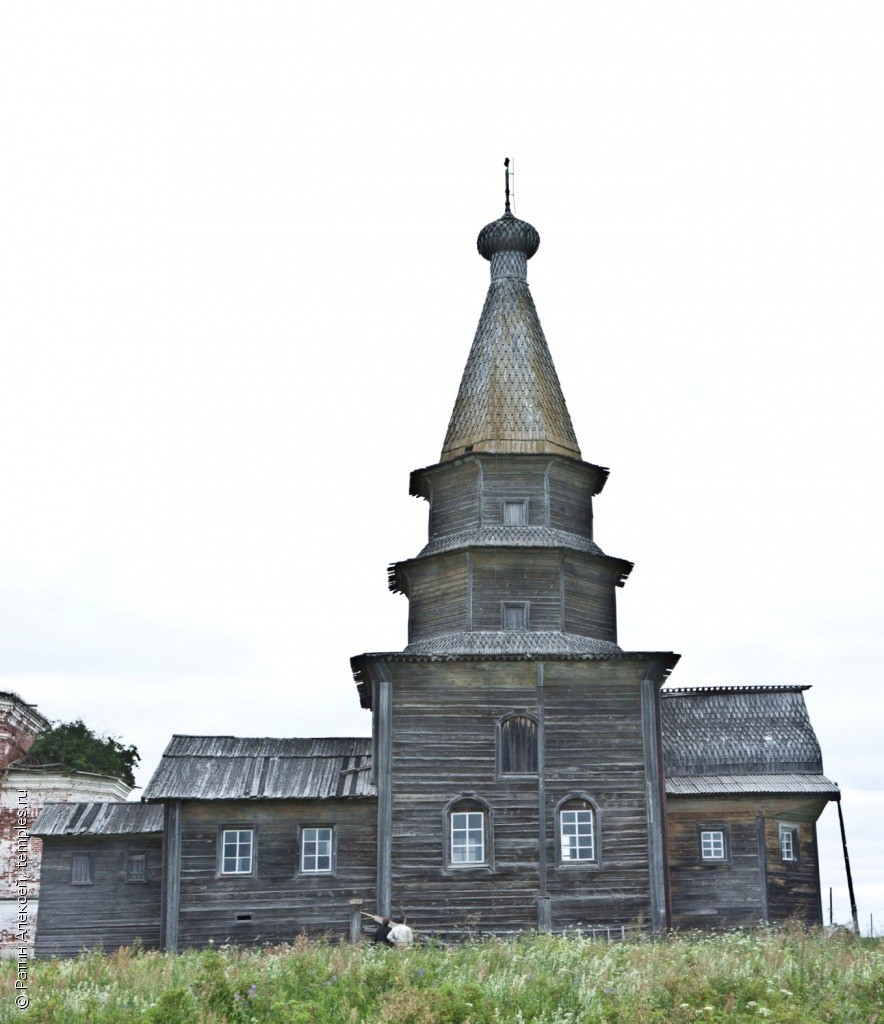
(506, 174)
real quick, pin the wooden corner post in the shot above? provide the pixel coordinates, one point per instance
(171, 887)
(655, 795)
(383, 694)
(356, 920)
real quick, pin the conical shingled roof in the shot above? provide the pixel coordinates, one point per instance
(510, 399)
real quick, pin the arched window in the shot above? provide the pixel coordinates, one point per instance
(517, 744)
(577, 833)
(468, 840)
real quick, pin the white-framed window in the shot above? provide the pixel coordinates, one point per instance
(514, 615)
(713, 845)
(577, 832)
(517, 744)
(237, 851)
(468, 834)
(514, 512)
(789, 843)
(317, 850)
(577, 835)
(81, 869)
(467, 837)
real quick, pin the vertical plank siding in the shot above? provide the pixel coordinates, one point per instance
(282, 902)
(110, 912)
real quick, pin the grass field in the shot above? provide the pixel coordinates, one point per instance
(786, 977)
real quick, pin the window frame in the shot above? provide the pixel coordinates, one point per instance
(525, 606)
(586, 864)
(86, 857)
(253, 861)
(522, 503)
(333, 853)
(468, 803)
(130, 854)
(791, 829)
(724, 829)
(498, 734)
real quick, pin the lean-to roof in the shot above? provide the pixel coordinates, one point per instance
(246, 768)
(98, 819)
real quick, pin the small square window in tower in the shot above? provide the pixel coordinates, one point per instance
(514, 615)
(515, 512)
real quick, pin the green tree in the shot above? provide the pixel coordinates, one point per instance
(75, 746)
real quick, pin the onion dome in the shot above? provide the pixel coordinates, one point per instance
(508, 234)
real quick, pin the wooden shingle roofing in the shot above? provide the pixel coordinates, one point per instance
(244, 768)
(512, 642)
(510, 399)
(98, 819)
(729, 739)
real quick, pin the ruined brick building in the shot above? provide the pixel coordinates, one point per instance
(523, 770)
(24, 790)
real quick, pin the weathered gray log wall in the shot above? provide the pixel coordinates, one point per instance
(469, 494)
(110, 912)
(275, 903)
(444, 749)
(711, 894)
(793, 888)
(754, 883)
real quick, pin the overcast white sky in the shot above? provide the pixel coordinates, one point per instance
(240, 284)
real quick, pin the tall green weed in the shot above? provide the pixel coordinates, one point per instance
(777, 977)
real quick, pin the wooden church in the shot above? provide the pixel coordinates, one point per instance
(523, 772)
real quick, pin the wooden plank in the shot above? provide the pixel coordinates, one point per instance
(657, 873)
(762, 868)
(541, 798)
(385, 781)
(171, 895)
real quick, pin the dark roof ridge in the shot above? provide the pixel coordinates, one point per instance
(676, 691)
(231, 736)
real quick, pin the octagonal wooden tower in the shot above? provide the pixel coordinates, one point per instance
(517, 748)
